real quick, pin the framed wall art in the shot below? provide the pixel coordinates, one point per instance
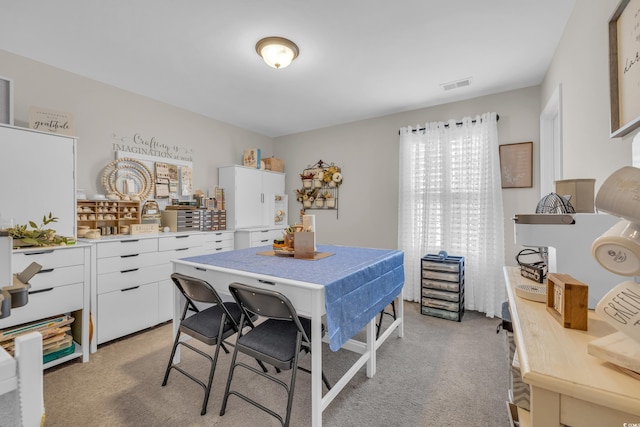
(516, 169)
(624, 68)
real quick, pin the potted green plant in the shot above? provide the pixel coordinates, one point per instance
(37, 235)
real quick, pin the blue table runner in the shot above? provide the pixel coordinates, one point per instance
(359, 282)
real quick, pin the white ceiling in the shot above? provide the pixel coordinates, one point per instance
(358, 58)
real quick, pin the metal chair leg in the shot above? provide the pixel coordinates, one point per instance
(173, 353)
(382, 313)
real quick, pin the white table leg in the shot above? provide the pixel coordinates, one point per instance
(316, 362)
(371, 347)
(400, 313)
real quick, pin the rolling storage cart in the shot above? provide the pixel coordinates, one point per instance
(442, 287)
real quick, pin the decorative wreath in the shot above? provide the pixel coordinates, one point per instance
(127, 168)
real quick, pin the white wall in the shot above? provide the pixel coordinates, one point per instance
(367, 151)
(581, 64)
(100, 111)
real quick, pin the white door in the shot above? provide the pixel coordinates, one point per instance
(272, 184)
(248, 198)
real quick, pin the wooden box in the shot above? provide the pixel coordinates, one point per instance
(581, 192)
(144, 229)
(273, 164)
(567, 301)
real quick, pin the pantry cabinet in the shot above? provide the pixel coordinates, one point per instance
(250, 195)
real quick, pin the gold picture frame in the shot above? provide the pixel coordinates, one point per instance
(516, 169)
(624, 68)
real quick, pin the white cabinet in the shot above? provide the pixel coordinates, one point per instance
(181, 245)
(133, 289)
(62, 286)
(250, 195)
(38, 177)
(253, 237)
(126, 287)
(219, 241)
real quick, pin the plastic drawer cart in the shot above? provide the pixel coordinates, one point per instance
(442, 287)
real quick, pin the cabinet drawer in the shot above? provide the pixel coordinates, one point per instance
(443, 295)
(165, 257)
(180, 241)
(47, 258)
(441, 266)
(218, 246)
(444, 314)
(126, 262)
(266, 237)
(443, 305)
(447, 286)
(126, 247)
(126, 311)
(124, 279)
(218, 237)
(59, 276)
(58, 300)
(439, 275)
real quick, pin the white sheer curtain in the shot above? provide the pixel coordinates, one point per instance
(450, 199)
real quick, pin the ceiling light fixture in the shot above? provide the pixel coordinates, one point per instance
(277, 52)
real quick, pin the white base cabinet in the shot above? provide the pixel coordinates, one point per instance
(254, 237)
(62, 286)
(131, 286)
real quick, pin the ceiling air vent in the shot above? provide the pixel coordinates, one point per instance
(456, 84)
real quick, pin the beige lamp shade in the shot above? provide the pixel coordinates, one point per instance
(277, 52)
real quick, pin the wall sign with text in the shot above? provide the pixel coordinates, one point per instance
(51, 121)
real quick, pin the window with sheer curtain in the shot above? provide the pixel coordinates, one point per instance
(450, 199)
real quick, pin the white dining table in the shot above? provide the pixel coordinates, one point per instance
(349, 287)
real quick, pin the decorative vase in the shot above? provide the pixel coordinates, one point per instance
(307, 203)
(306, 183)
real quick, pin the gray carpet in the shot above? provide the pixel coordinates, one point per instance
(442, 373)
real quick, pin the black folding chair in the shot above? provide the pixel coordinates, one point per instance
(392, 314)
(211, 326)
(281, 341)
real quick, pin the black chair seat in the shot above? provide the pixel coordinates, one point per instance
(205, 325)
(274, 341)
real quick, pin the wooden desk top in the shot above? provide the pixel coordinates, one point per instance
(555, 358)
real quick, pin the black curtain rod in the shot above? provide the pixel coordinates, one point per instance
(447, 125)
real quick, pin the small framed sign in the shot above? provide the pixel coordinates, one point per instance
(624, 68)
(516, 169)
(51, 121)
(567, 301)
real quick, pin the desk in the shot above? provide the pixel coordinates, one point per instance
(568, 386)
(350, 287)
